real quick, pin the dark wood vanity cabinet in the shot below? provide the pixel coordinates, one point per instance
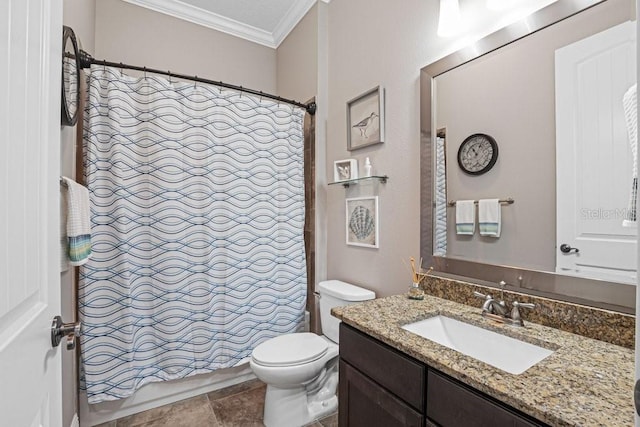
(450, 403)
(380, 386)
(368, 404)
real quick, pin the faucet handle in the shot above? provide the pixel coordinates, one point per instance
(515, 311)
(487, 307)
(524, 304)
(481, 296)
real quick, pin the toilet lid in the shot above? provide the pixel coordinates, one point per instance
(290, 349)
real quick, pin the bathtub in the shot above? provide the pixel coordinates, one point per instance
(161, 393)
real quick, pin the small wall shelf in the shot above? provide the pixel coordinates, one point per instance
(382, 178)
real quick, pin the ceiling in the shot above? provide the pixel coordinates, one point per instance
(266, 22)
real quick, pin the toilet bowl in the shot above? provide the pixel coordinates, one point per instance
(301, 369)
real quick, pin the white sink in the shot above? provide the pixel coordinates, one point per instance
(503, 352)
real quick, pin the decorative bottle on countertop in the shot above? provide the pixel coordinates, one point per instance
(367, 167)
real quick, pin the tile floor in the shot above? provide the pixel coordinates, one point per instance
(240, 405)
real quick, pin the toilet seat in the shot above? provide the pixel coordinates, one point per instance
(290, 350)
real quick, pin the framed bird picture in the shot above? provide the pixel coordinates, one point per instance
(365, 119)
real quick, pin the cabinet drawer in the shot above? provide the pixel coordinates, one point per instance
(388, 367)
(364, 403)
(452, 404)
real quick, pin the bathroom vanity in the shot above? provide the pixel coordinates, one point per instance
(392, 377)
(381, 386)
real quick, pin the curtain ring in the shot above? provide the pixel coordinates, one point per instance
(121, 73)
(145, 72)
(195, 82)
(241, 92)
(170, 82)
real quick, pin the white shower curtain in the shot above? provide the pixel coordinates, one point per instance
(197, 199)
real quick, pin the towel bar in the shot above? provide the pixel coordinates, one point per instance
(508, 201)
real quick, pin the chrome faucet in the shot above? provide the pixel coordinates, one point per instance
(497, 310)
(492, 306)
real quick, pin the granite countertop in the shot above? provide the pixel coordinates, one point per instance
(585, 382)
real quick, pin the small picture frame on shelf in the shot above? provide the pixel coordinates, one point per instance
(345, 170)
(362, 222)
(365, 119)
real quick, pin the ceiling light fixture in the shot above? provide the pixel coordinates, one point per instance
(498, 4)
(450, 21)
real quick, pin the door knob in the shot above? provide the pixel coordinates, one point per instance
(565, 249)
(60, 330)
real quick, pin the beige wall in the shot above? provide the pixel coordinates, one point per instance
(510, 95)
(297, 60)
(301, 72)
(385, 43)
(138, 36)
(377, 43)
(80, 16)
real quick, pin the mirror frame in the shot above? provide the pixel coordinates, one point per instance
(66, 118)
(596, 293)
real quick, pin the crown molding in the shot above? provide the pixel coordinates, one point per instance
(196, 15)
(296, 12)
(208, 19)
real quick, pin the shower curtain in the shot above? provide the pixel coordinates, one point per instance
(197, 206)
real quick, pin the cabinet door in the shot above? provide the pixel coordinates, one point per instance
(364, 403)
(402, 376)
(450, 404)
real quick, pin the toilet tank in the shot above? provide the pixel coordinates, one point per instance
(336, 293)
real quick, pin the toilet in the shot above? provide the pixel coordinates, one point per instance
(301, 369)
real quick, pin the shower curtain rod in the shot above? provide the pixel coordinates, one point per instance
(86, 60)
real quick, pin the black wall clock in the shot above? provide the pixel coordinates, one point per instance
(477, 154)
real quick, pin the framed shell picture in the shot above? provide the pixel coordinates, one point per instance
(362, 222)
(365, 119)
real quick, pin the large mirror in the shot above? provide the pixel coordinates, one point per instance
(555, 92)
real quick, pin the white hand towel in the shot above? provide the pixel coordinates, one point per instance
(78, 223)
(465, 217)
(489, 217)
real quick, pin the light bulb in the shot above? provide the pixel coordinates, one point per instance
(449, 23)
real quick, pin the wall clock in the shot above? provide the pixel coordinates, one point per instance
(477, 154)
(70, 78)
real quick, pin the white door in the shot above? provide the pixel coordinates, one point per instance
(594, 160)
(30, 68)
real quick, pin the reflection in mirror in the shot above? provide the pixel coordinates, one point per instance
(70, 78)
(554, 102)
(595, 180)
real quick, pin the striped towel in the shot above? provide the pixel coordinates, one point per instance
(78, 223)
(489, 217)
(465, 217)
